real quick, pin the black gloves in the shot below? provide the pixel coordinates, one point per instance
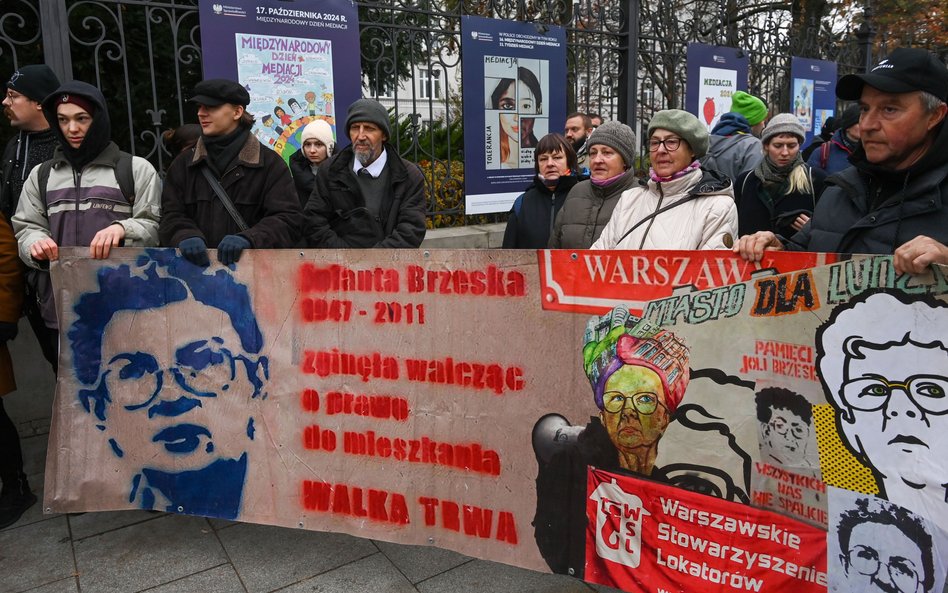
(7, 331)
(228, 252)
(195, 251)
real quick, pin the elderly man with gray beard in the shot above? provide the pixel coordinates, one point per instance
(369, 196)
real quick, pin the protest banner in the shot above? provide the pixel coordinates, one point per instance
(429, 398)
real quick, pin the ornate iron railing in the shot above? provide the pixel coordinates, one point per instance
(626, 59)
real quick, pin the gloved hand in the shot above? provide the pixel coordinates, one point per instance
(8, 331)
(228, 252)
(195, 251)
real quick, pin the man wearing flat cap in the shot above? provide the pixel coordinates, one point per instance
(892, 201)
(229, 191)
(369, 196)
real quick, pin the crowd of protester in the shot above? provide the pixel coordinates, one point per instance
(875, 183)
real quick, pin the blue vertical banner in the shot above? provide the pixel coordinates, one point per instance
(714, 74)
(514, 81)
(813, 93)
(298, 59)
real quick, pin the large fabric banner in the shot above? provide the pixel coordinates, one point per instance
(299, 61)
(783, 432)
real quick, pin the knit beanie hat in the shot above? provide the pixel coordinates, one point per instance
(783, 123)
(849, 118)
(617, 136)
(369, 110)
(753, 109)
(685, 125)
(319, 130)
(36, 82)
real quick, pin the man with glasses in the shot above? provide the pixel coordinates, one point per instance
(786, 420)
(638, 378)
(163, 403)
(888, 383)
(883, 548)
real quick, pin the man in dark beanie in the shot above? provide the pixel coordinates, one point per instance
(369, 196)
(35, 141)
(33, 144)
(229, 191)
(89, 194)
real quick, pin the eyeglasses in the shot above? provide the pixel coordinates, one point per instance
(866, 562)
(14, 96)
(671, 144)
(781, 426)
(927, 392)
(644, 402)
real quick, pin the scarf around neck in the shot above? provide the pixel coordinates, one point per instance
(772, 175)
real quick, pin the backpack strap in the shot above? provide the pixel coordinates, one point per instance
(125, 177)
(42, 180)
(684, 200)
(824, 155)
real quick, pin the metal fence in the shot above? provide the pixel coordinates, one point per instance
(626, 59)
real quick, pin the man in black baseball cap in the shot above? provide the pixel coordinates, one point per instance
(891, 200)
(261, 211)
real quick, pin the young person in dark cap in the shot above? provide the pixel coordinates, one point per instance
(367, 195)
(893, 199)
(35, 141)
(78, 197)
(258, 209)
(33, 144)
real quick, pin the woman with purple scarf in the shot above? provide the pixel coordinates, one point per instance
(682, 206)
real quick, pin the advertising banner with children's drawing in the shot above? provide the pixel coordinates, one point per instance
(299, 62)
(715, 73)
(714, 437)
(513, 76)
(814, 94)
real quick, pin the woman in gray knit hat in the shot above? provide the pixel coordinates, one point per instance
(590, 203)
(682, 206)
(779, 194)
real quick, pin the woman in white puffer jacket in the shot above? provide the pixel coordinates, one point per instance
(682, 206)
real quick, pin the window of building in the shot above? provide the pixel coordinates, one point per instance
(429, 83)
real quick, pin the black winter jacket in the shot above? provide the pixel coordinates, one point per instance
(530, 222)
(336, 215)
(259, 185)
(23, 152)
(303, 177)
(845, 221)
(755, 214)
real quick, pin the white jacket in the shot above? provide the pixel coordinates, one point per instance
(708, 221)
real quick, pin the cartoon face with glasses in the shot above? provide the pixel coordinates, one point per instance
(166, 358)
(785, 427)
(634, 411)
(883, 548)
(883, 360)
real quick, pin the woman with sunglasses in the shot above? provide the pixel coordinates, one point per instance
(682, 206)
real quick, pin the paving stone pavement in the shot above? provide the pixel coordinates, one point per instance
(132, 551)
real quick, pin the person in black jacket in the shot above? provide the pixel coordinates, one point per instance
(531, 217)
(318, 145)
(33, 144)
(892, 201)
(367, 195)
(780, 193)
(254, 178)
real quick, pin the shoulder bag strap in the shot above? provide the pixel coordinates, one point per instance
(687, 198)
(225, 200)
